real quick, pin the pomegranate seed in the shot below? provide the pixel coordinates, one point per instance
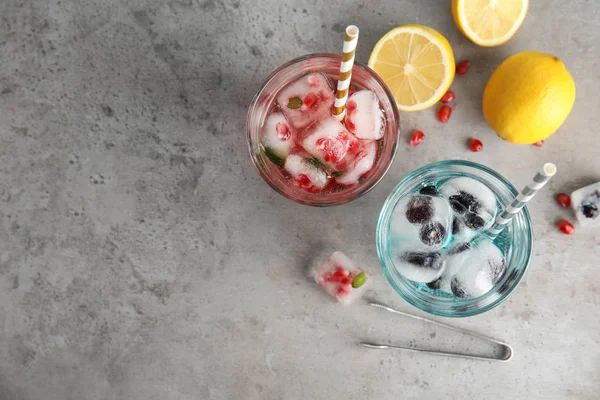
(444, 113)
(314, 189)
(350, 124)
(351, 107)
(330, 157)
(566, 227)
(283, 130)
(304, 181)
(342, 136)
(328, 277)
(310, 100)
(538, 144)
(346, 282)
(448, 97)
(342, 292)
(462, 67)
(354, 145)
(322, 143)
(340, 272)
(475, 145)
(416, 138)
(564, 200)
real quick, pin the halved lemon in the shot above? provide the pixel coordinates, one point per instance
(417, 64)
(489, 22)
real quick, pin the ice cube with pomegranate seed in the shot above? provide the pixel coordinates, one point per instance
(277, 138)
(364, 117)
(362, 163)
(307, 173)
(306, 100)
(330, 142)
(342, 278)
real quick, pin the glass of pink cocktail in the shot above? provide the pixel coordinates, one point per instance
(304, 152)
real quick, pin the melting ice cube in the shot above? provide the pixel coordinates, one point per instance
(306, 100)
(586, 203)
(330, 142)
(477, 270)
(421, 222)
(362, 163)
(307, 172)
(420, 266)
(342, 278)
(473, 203)
(364, 118)
(277, 138)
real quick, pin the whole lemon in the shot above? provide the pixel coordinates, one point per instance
(528, 97)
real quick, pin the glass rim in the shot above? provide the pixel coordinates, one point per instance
(322, 201)
(403, 290)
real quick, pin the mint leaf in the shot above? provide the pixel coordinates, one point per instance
(273, 157)
(294, 102)
(313, 162)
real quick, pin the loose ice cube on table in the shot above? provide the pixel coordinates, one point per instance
(306, 171)
(586, 203)
(342, 278)
(364, 117)
(362, 163)
(473, 203)
(330, 142)
(421, 222)
(306, 100)
(420, 266)
(476, 270)
(277, 138)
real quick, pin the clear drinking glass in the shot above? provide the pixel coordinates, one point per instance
(362, 78)
(515, 241)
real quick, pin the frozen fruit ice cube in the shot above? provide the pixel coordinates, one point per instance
(477, 270)
(277, 138)
(330, 142)
(364, 117)
(342, 278)
(306, 100)
(473, 203)
(307, 172)
(362, 163)
(456, 257)
(421, 222)
(420, 266)
(586, 203)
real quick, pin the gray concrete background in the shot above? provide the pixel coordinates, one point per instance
(142, 257)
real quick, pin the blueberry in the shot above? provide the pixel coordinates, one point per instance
(433, 233)
(424, 260)
(458, 290)
(455, 226)
(429, 190)
(497, 269)
(419, 209)
(435, 285)
(459, 249)
(462, 202)
(474, 221)
(590, 211)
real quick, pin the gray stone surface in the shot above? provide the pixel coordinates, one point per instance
(142, 257)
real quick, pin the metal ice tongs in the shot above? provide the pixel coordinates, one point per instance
(508, 351)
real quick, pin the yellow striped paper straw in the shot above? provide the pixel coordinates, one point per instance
(341, 95)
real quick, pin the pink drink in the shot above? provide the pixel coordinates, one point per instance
(303, 151)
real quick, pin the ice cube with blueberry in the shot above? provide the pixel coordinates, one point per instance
(342, 278)
(473, 205)
(418, 266)
(477, 270)
(331, 143)
(364, 117)
(306, 100)
(277, 138)
(586, 203)
(362, 163)
(307, 172)
(421, 222)
(455, 259)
